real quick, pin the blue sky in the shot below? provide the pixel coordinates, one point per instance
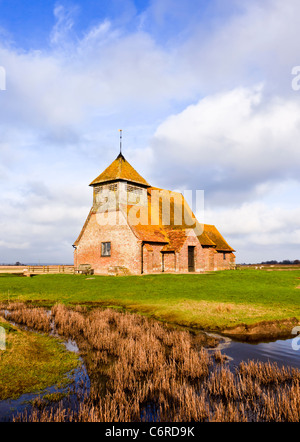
(202, 91)
(29, 24)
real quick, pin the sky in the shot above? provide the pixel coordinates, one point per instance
(203, 91)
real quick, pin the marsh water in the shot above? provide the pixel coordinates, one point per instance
(283, 352)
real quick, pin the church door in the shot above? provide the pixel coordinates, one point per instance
(191, 258)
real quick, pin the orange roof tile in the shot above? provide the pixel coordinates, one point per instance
(168, 219)
(120, 169)
(144, 230)
(168, 215)
(176, 240)
(181, 216)
(214, 235)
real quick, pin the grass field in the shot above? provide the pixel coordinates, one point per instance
(31, 362)
(212, 301)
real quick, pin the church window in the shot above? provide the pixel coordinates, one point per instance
(133, 189)
(113, 187)
(105, 248)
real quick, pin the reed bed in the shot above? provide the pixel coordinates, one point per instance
(35, 318)
(141, 370)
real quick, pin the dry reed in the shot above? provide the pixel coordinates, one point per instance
(35, 318)
(140, 369)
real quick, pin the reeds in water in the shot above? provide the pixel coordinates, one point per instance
(141, 370)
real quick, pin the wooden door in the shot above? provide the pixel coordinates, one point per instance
(191, 258)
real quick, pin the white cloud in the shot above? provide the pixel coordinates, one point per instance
(216, 96)
(106, 72)
(14, 245)
(267, 227)
(256, 43)
(42, 223)
(241, 136)
(64, 24)
(257, 218)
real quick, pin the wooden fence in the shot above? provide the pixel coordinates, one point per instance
(38, 270)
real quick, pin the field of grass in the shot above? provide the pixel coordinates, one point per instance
(31, 362)
(211, 301)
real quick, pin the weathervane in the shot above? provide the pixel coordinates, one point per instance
(120, 130)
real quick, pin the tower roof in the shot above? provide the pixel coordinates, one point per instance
(120, 169)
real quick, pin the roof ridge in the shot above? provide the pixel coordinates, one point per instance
(213, 233)
(120, 169)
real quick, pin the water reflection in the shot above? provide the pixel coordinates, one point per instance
(281, 352)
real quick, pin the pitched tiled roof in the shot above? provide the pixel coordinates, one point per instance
(120, 169)
(181, 219)
(145, 231)
(205, 240)
(176, 240)
(214, 235)
(154, 228)
(172, 230)
(178, 216)
(169, 228)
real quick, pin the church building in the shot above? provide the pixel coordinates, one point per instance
(134, 228)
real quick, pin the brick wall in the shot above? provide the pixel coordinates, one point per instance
(152, 260)
(182, 261)
(126, 250)
(224, 261)
(125, 247)
(208, 262)
(169, 262)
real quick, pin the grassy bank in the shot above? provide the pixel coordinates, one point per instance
(213, 301)
(31, 362)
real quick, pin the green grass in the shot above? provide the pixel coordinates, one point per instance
(31, 362)
(213, 301)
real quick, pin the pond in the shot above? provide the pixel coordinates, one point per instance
(281, 351)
